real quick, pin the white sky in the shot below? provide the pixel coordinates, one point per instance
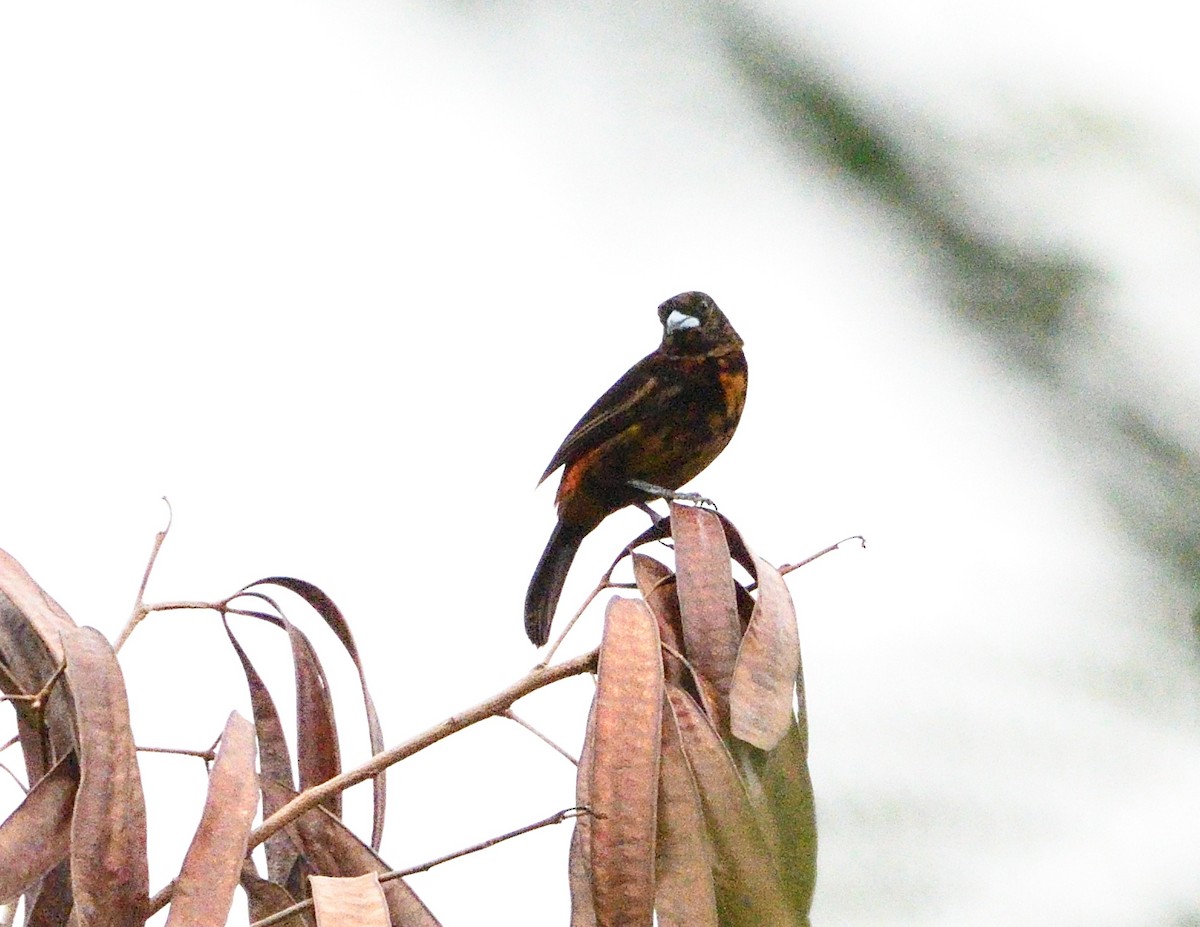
(337, 277)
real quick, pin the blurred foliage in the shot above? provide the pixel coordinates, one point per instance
(1022, 297)
(1037, 305)
(1164, 482)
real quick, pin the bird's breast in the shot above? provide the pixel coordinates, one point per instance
(668, 445)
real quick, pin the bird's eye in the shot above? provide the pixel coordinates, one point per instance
(677, 321)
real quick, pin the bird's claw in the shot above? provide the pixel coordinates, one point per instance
(671, 495)
(695, 498)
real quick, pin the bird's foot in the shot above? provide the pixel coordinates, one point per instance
(661, 492)
(695, 498)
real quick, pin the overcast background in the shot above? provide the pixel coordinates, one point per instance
(336, 277)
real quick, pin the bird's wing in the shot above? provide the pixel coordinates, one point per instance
(621, 406)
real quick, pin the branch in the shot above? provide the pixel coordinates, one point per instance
(139, 608)
(654, 532)
(600, 587)
(36, 701)
(539, 677)
(512, 716)
(208, 756)
(788, 567)
(556, 818)
(20, 784)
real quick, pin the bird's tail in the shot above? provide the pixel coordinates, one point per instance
(546, 586)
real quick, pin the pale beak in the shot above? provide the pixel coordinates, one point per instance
(677, 321)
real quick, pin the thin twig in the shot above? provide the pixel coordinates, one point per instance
(21, 785)
(600, 587)
(606, 582)
(512, 716)
(788, 567)
(139, 609)
(207, 755)
(221, 606)
(282, 914)
(182, 605)
(557, 818)
(537, 678)
(36, 700)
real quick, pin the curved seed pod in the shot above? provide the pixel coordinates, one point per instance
(624, 776)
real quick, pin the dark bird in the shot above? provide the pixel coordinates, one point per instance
(655, 429)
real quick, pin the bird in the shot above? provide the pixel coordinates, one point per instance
(655, 429)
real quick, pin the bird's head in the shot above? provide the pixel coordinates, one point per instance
(693, 324)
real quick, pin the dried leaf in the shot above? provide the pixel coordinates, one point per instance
(318, 755)
(36, 837)
(265, 898)
(324, 606)
(658, 531)
(801, 710)
(737, 546)
(330, 848)
(579, 858)
(657, 586)
(712, 631)
(709, 699)
(204, 890)
(109, 872)
(684, 895)
(297, 878)
(349, 902)
(53, 902)
(745, 559)
(624, 781)
(749, 892)
(274, 758)
(764, 679)
(787, 787)
(44, 617)
(656, 583)
(31, 625)
(745, 603)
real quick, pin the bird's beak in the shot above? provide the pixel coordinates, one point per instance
(677, 321)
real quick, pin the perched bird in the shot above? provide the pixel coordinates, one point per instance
(656, 428)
